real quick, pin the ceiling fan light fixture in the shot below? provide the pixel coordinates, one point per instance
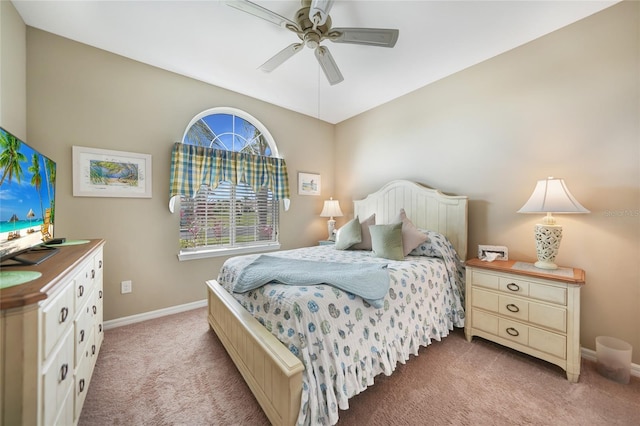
(312, 40)
(312, 26)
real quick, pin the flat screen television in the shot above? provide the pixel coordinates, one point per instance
(27, 202)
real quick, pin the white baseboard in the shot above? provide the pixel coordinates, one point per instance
(591, 356)
(119, 322)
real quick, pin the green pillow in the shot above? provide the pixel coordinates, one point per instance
(386, 241)
(348, 235)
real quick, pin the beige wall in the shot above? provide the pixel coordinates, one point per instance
(13, 66)
(79, 95)
(565, 105)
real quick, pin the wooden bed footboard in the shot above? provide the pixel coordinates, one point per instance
(272, 372)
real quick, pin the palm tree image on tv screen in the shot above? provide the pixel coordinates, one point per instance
(27, 196)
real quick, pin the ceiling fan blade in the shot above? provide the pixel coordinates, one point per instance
(261, 12)
(280, 57)
(328, 65)
(381, 37)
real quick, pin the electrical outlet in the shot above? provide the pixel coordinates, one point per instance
(126, 287)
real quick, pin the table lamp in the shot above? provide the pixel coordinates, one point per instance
(550, 195)
(331, 209)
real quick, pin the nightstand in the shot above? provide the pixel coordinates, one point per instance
(326, 243)
(528, 309)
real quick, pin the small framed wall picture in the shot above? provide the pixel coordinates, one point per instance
(309, 184)
(108, 173)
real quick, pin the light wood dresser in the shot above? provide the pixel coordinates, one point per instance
(527, 309)
(51, 332)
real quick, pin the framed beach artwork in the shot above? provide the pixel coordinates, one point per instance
(309, 184)
(107, 173)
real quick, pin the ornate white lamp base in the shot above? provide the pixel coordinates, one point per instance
(548, 239)
(331, 226)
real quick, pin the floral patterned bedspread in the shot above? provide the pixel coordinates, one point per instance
(343, 341)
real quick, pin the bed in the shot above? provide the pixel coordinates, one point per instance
(274, 367)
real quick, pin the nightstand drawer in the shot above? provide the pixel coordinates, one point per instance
(515, 286)
(514, 331)
(499, 304)
(548, 316)
(548, 293)
(497, 282)
(544, 341)
(521, 309)
(534, 290)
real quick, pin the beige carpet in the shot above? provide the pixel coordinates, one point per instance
(174, 371)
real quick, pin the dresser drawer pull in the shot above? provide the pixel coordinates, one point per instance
(81, 385)
(64, 369)
(512, 308)
(513, 287)
(81, 335)
(100, 328)
(93, 349)
(93, 273)
(80, 291)
(100, 294)
(64, 313)
(100, 264)
(512, 332)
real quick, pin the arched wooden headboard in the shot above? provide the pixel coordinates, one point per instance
(426, 207)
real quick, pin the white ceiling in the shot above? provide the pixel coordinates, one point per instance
(220, 45)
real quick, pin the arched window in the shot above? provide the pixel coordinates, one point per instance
(230, 217)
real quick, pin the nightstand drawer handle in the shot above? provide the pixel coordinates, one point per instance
(512, 332)
(513, 287)
(512, 308)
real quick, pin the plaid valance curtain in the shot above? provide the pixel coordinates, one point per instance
(193, 166)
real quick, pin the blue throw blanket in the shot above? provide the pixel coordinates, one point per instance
(369, 281)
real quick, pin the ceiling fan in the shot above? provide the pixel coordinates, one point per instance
(313, 25)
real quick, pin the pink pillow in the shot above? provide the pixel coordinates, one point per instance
(412, 237)
(365, 244)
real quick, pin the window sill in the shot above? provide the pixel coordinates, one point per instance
(206, 253)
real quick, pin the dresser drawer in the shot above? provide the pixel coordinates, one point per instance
(98, 297)
(98, 266)
(83, 375)
(83, 326)
(84, 283)
(57, 316)
(57, 378)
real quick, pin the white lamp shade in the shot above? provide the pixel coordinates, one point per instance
(551, 195)
(331, 209)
